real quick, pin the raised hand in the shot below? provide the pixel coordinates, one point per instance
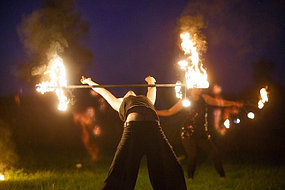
(88, 81)
(150, 80)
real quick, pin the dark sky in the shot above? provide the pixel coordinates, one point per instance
(132, 39)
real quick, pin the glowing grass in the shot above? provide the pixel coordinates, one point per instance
(92, 175)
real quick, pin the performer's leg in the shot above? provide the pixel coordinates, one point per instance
(164, 170)
(189, 145)
(124, 168)
(208, 146)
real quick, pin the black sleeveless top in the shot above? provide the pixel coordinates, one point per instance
(135, 101)
(197, 115)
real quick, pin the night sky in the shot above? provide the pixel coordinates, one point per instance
(132, 39)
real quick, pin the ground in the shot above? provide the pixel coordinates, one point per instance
(64, 172)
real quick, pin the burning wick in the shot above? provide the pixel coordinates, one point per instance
(2, 177)
(227, 123)
(250, 115)
(260, 104)
(178, 90)
(263, 98)
(237, 121)
(57, 76)
(186, 103)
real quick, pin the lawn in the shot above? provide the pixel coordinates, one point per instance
(58, 173)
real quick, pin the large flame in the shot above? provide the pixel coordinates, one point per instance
(263, 97)
(196, 76)
(57, 81)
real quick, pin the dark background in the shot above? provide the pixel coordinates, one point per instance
(124, 41)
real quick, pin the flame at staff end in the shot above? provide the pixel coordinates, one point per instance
(227, 123)
(57, 80)
(178, 90)
(195, 74)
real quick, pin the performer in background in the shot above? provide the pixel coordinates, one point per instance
(221, 114)
(194, 132)
(87, 121)
(142, 135)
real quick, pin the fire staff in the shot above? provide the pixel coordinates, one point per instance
(142, 135)
(194, 132)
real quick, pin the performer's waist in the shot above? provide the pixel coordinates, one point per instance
(142, 123)
(140, 113)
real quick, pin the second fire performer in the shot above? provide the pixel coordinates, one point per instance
(194, 132)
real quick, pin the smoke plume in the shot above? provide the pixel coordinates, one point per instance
(56, 28)
(238, 32)
(194, 25)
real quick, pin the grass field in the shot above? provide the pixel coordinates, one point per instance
(59, 173)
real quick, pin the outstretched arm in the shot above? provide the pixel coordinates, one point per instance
(114, 102)
(220, 102)
(171, 111)
(151, 91)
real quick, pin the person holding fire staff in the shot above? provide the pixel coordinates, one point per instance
(194, 132)
(142, 135)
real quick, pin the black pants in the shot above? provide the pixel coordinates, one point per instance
(144, 138)
(191, 143)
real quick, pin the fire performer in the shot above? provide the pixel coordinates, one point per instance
(194, 131)
(86, 120)
(142, 135)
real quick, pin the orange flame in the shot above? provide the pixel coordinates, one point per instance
(196, 76)
(263, 97)
(57, 81)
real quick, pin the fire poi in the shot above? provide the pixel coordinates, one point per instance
(249, 107)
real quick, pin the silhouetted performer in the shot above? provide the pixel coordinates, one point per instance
(142, 135)
(194, 132)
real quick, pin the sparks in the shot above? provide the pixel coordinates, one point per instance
(57, 81)
(195, 74)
